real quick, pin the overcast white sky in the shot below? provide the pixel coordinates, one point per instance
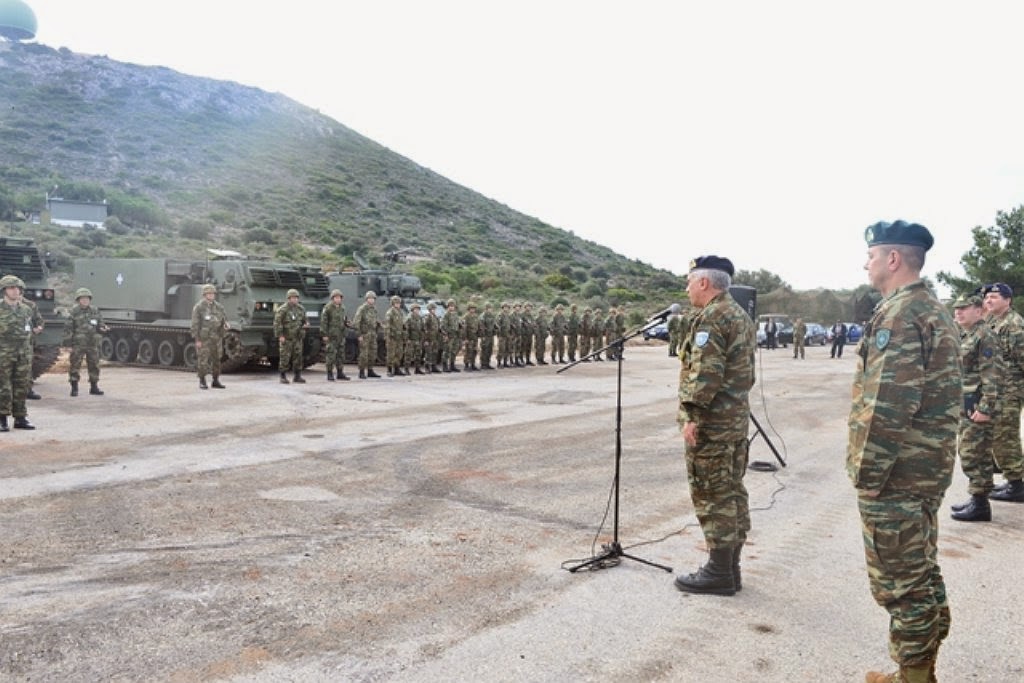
(768, 132)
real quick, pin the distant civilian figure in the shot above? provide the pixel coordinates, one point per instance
(839, 331)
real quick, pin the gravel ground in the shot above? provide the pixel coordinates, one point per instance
(418, 529)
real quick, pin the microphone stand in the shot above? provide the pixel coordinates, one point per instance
(613, 551)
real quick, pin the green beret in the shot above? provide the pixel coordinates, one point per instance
(965, 300)
(899, 232)
(713, 263)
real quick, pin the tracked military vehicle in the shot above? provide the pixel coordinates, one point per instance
(19, 256)
(147, 304)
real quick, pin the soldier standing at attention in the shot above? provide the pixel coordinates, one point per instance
(572, 329)
(609, 333)
(907, 400)
(586, 322)
(799, 336)
(82, 333)
(488, 323)
(431, 338)
(717, 372)
(515, 328)
(209, 323)
(37, 321)
(597, 333)
(527, 327)
(333, 323)
(366, 324)
(451, 333)
(471, 336)
(540, 335)
(15, 353)
(503, 326)
(558, 328)
(979, 353)
(414, 340)
(290, 326)
(1006, 446)
(674, 328)
(394, 329)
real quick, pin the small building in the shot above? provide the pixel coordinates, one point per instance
(76, 214)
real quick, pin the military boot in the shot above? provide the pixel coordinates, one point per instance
(391, 371)
(202, 382)
(32, 395)
(3, 424)
(977, 509)
(216, 383)
(23, 423)
(297, 378)
(419, 371)
(434, 368)
(284, 379)
(330, 375)
(362, 373)
(74, 388)
(342, 376)
(715, 577)
(736, 579)
(906, 674)
(371, 373)
(1013, 493)
(452, 368)
(94, 389)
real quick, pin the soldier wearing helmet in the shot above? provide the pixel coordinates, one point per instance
(488, 328)
(209, 324)
(333, 323)
(290, 325)
(527, 328)
(431, 338)
(502, 327)
(451, 337)
(16, 330)
(366, 323)
(558, 330)
(394, 336)
(470, 337)
(413, 355)
(82, 333)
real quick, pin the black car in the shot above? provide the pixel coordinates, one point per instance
(659, 331)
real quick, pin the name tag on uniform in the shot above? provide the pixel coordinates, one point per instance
(93, 322)
(28, 327)
(209, 317)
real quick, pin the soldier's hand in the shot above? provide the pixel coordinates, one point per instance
(199, 344)
(281, 339)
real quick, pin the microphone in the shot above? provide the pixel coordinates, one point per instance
(660, 316)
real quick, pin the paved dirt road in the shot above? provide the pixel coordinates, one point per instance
(415, 529)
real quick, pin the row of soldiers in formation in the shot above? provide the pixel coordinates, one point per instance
(419, 343)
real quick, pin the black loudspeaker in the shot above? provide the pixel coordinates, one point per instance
(746, 297)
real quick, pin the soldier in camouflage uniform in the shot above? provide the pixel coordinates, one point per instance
(488, 327)
(715, 378)
(82, 333)
(365, 323)
(431, 338)
(572, 330)
(209, 323)
(451, 337)
(540, 335)
(674, 332)
(799, 337)
(1008, 327)
(37, 321)
(982, 362)
(290, 325)
(597, 333)
(558, 330)
(394, 331)
(16, 332)
(586, 323)
(515, 328)
(471, 337)
(905, 413)
(527, 328)
(414, 340)
(503, 328)
(333, 325)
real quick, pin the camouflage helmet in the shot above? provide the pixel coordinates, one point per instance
(82, 291)
(451, 302)
(371, 295)
(291, 293)
(414, 307)
(431, 306)
(208, 288)
(337, 292)
(11, 281)
(396, 299)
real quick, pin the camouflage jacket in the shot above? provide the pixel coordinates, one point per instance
(333, 321)
(15, 327)
(365, 320)
(620, 324)
(471, 326)
(431, 328)
(597, 326)
(83, 326)
(504, 324)
(1009, 328)
(572, 325)
(585, 324)
(290, 321)
(540, 327)
(526, 324)
(209, 320)
(718, 372)
(515, 323)
(394, 324)
(488, 323)
(414, 328)
(907, 397)
(558, 324)
(450, 325)
(983, 366)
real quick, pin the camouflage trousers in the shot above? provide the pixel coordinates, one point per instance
(715, 471)
(430, 351)
(291, 356)
(334, 356)
(596, 343)
(486, 349)
(673, 344)
(15, 380)
(539, 346)
(1006, 446)
(525, 346)
(584, 346)
(469, 353)
(367, 351)
(557, 347)
(91, 353)
(571, 343)
(451, 351)
(208, 357)
(412, 354)
(975, 449)
(900, 546)
(798, 346)
(394, 347)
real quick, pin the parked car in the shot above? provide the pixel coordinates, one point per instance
(854, 332)
(783, 335)
(659, 331)
(815, 335)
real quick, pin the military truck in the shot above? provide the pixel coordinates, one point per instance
(147, 304)
(20, 256)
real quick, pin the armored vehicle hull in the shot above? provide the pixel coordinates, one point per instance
(147, 304)
(19, 256)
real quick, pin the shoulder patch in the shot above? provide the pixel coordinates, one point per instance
(701, 338)
(987, 353)
(882, 339)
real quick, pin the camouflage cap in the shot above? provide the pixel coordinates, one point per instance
(208, 288)
(414, 307)
(80, 292)
(899, 232)
(11, 281)
(337, 292)
(291, 293)
(396, 299)
(967, 300)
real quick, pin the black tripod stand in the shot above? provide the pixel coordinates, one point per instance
(760, 430)
(613, 550)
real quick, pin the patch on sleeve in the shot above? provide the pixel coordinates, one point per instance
(882, 339)
(987, 353)
(701, 338)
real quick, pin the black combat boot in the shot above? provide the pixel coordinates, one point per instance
(216, 383)
(32, 395)
(736, 578)
(391, 372)
(452, 368)
(371, 373)
(342, 375)
(1013, 493)
(94, 389)
(23, 423)
(418, 370)
(434, 368)
(330, 375)
(202, 382)
(362, 373)
(3, 424)
(284, 379)
(297, 378)
(714, 578)
(977, 509)
(74, 388)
